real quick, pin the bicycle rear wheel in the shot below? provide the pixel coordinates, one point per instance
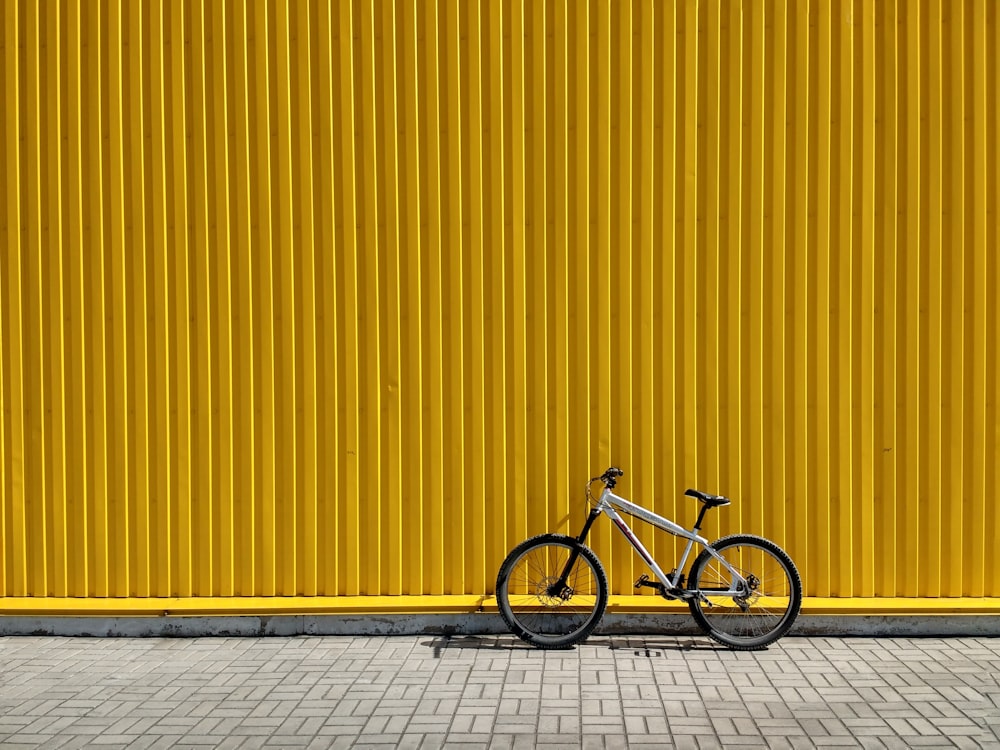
(541, 607)
(766, 607)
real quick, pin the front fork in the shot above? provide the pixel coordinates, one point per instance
(559, 589)
(582, 539)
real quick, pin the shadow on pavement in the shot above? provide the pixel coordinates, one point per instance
(641, 646)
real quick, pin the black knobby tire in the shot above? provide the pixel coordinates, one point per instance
(536, 613)
(763, 614)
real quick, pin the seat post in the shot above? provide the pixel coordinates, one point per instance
(701, 517)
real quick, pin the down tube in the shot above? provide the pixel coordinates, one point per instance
(637, 546)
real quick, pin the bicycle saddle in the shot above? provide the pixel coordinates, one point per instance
(712, 501)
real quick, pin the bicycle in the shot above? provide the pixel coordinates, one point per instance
(743, 591)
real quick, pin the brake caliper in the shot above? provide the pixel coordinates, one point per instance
(752, 584)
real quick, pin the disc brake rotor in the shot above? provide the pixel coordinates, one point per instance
(543, 590)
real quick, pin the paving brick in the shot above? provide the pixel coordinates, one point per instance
(835, 741)
(467, 741)
(652, 741)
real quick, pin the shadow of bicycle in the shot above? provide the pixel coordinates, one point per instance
(442, 643)
(649, 647)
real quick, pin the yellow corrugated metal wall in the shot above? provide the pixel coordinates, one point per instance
(312, 298)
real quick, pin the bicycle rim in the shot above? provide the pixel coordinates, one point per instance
(764, 611)
(537, 613)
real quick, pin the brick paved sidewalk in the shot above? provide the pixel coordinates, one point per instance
(493, 691)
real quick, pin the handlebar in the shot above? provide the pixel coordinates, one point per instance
(610, 477)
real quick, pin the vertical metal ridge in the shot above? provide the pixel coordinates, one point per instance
(752, 513)
(137, 398)
(285, 261)
(494, 248)
(774, 284)
(303, 235)
(327, 440)
(243, 284)
(707, 250)
(664, 272)
(560, 297)
(387, 272)
(73, 294)
(820, 547)
(644, 338)
(514, 278)
(177, 293)
(620, 214)
(976, 570)
(911, 373)
(931, 261)
(411, 301)
(394, 379)
(93, 243)
(686, 256)
(13, 459)
(481, 562)
(7, 43)
(262, 263)
(993, 306)
(842, 293)
(799, 226)
(601, 391)
(453, 242)
(536, 268)
(866, 567)
(579, 247)
(220, 304)
(431, 295)
(888, 145)
(204, 339)
(346, 277)
(731, 112)
(52, 273)
(161, 484)
(370, 246)
(954, 354)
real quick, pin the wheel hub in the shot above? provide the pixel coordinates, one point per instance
(551, 593)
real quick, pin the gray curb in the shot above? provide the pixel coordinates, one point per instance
(468, 624)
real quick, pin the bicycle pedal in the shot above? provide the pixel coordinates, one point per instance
(655, 585)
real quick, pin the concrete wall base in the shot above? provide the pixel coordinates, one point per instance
(469, 624)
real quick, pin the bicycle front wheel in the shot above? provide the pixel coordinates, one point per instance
(552, 591)
(751, 615)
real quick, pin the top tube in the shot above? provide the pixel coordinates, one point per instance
(649, 517)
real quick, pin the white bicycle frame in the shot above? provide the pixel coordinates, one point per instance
(607, 504)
